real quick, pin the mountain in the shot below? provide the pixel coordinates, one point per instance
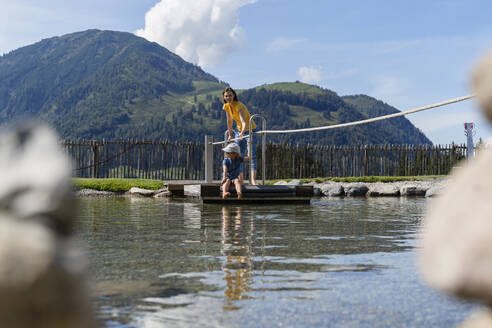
(114, 85)
(398, 129)
(95, 84)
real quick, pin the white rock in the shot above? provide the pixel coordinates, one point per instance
(332, 189)
(141, 192)
(456, 246)
(382, 190)
(482, 84)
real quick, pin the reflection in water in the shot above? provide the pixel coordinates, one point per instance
(337, 262)
(237, 239)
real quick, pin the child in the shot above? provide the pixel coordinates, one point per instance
(231, 168)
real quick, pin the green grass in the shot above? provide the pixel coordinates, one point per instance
(123, 185)
(361, 179)
(116, 185)
(296, 88)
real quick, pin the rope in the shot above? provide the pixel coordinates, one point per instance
(374, 119)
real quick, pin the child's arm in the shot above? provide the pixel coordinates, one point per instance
(224, 174)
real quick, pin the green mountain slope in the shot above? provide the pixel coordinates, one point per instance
(95, 84)
(115, 85)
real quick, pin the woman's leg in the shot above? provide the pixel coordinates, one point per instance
(252, 158)
(243, 146)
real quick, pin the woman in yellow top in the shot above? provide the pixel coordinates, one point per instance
(236, 111)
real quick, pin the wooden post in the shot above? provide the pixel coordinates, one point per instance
(95, 159)
(209, 156)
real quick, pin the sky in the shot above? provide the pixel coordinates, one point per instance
(406, 53)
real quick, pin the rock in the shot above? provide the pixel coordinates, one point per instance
(456, 246)
(332, 189)
(482, 84)
(293, 182)
(140, 192)
(163, 192)
(357, 189)
(36, 178)
(412, 190)
(317, 192)
(435, 190)
(42, 270)
(382, 190)
(481, 319)
(95, 193)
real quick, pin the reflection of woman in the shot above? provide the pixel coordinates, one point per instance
(236, 111)
(236, 240)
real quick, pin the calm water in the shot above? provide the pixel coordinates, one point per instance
(346, 262)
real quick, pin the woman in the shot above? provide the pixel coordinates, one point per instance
(237, 112)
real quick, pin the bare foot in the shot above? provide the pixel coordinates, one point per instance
(225, 194)
(239, 195)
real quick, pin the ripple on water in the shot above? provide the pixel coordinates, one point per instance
(337, 262)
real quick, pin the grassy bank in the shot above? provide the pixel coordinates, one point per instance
(116, 185)
(123, 185)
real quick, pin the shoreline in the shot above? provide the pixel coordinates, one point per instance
(419, 188)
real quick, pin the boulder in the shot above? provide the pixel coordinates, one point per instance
(42, 269)
(162, 193)
(412, 190)
(332, 189)
(482, 84)
(354, 190)
(134, 191)
(95, 193)
(456, 247)
(293, 182)
(382, 190)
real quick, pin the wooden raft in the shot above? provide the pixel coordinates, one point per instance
(212, 193)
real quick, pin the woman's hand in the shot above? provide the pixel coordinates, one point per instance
(223, 181)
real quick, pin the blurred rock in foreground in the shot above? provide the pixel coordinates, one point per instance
(456, 245)
(42, 270)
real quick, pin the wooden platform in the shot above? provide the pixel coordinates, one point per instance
(211, 193)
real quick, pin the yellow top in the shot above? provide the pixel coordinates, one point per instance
(234, 110)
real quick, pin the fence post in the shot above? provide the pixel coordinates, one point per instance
(95, 159)
(209, 156)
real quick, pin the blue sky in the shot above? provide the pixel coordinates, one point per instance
(406, 53)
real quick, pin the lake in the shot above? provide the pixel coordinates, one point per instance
(339, 262)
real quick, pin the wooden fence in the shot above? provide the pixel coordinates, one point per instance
(166, 160)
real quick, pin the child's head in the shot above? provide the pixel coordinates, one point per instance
(229, 95)
(232, 150)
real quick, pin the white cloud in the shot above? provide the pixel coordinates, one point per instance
(200, 31)
(281, 44)
(311, 74)
(388, 88)
(315, 75)
(342, 74)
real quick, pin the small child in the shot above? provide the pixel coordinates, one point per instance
(231, 169)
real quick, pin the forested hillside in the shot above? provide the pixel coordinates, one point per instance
(115, 85)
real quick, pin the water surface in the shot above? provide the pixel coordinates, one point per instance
(344, 262)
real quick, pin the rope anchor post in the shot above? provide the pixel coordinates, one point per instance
(209, 159)
(263, 146)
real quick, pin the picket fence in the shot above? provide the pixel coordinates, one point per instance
(168, 160)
